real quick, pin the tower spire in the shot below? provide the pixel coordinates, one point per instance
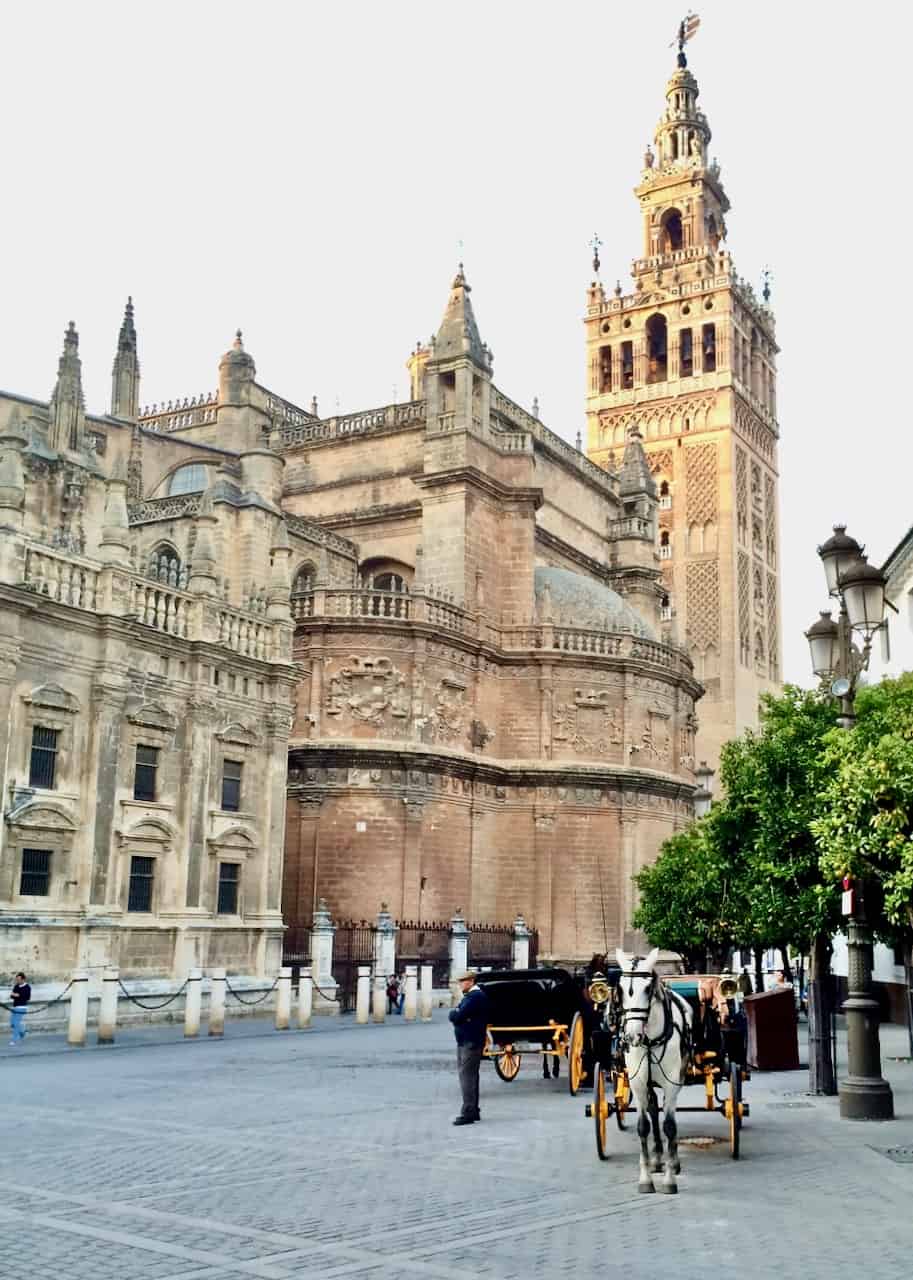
(67, 410)
(125, 372)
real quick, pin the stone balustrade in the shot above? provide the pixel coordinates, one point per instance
(62, 577)
(162, 607)
(353, 424)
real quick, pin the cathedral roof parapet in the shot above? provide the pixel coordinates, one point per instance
(342, 427)
(192, 411)
(515, 416)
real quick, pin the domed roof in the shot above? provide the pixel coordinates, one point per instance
(577, 601)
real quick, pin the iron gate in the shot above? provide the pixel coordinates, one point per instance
(353, 945)
(427, 943)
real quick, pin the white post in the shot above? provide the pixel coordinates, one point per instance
(107, 1017)
(305, 998)
(284, 999)
(192, 1004)
(363, 994)
(410, 1003)
(79, 1008)
(217, 1003)
(385, 932)
(379, 1000)
(459, 953)
(424, 1003)
(519, 945)
(322, 933)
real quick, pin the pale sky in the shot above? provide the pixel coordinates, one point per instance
(306, 171)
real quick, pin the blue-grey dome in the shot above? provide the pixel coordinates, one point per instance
(577, 601)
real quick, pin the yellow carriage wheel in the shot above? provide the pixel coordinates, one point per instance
(734, 1110)
(575, 1068)
(600, 1111)
(507, 1063)
(621, 1087)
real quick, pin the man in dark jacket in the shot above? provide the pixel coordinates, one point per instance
(21, 995)
(469, 1019)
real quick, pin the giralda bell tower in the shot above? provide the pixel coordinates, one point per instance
(688, 361)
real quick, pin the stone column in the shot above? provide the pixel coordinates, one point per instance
(519, 945)
(459, 952)
(628, 825)
(363, 994)
(385, 932)
(192, 1004)
(217, 1003)
(284, 999)
(412, 858)
(424, 1002)
(106, 726)
(107, 1017)
(322, 933)
(79, 1008)
(410, 1004)
(544, 841)
(305, 998)
(378, 997)
(301, 882)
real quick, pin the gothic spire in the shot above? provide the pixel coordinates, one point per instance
(125, 373)
(635, 476)
(67, 410)
(459, 333)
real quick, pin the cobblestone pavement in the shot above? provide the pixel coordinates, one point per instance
(331, 1153)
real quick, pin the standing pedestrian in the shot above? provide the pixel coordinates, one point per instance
(470, 1019)
(21, 994)
(401, 999)
(392, 994)
(745, 982)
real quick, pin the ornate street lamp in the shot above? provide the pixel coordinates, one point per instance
(703, 796)
(838, 662)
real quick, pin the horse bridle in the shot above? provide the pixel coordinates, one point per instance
(643, 1015)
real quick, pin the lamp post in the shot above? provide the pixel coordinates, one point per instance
(840, 653)
(703, 796)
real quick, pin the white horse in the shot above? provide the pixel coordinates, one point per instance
(656, 1030)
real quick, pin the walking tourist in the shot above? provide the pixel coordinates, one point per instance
(21, 995)
(393, 994)
(745, 982)
(469, 1019)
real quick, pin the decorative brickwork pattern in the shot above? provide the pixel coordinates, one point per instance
(661, 462)
(772, 637)
(741, 494)
(770, 508)
(701, 479)
(744, 609)
(703, 603)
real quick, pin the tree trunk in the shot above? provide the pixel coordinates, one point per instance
(908, 974)
(787, 971)
(821, 1074)
(759, 969)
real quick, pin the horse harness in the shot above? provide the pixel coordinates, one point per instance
(643, 1015)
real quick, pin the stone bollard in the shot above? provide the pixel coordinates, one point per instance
(305, 998)
(79, 1008)
(410, 1004)
(363, 994)
(283, 999)
(107, 1015)
(519, 944)
(424, 1001)
(379, 997)
(217, 1003)
(459, 953)
(192, 1004)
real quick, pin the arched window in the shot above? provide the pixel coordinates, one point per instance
(685, 354)
(165, 565)
(665, 496)
(387, 584)
(302, 600)
(665, 608)
(709, 345)
(670, 231)
(192, 478)
(665, 545)
(656, 349)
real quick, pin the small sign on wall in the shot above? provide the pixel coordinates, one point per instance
(361, 826)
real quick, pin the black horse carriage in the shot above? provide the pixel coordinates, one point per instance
(550, 1013)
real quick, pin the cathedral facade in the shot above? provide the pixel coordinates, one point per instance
(689, 359)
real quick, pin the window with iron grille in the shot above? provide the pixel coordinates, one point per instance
(35, 881)
(228, 888)
(43, 762)
(144, 775)
(142, 877)
(231, 785)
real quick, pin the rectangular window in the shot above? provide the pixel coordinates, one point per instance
(605, 369)
(144, 777)
(142, 876)
(35, 881)
(43, 762)
(228, 888)
(686, 354)
(709, 348)
(627, 366)
(231, 785)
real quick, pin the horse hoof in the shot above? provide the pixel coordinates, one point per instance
(668, 1189)
(646, 1188)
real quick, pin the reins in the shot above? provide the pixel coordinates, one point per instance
(655, 991)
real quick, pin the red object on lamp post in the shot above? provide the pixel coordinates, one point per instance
(848, 896)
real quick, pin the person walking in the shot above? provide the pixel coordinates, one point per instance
(392, 994)
(469, 1018)
(745, 988)
(21, 994)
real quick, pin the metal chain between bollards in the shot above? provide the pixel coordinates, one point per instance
(241, 1000)
(161, 1004)
(41, 1008)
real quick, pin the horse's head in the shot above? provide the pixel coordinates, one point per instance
(637, 985)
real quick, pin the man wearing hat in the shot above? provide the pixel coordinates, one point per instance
(469, 1019)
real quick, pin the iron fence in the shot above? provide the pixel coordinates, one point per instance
(425, 942)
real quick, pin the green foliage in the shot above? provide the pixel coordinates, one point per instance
(864, 825)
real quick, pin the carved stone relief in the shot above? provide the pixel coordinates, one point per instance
(588, 723)
(369, 691)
